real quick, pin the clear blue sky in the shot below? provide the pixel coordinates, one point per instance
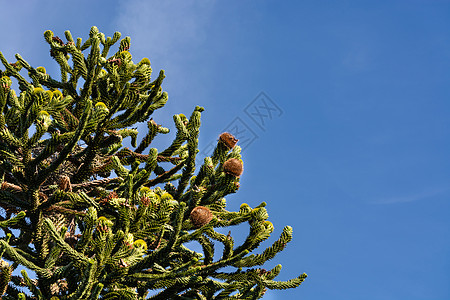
(355, 153)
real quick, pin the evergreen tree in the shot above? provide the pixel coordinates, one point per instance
(96, 220)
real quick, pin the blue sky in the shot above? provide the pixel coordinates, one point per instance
(353, 154)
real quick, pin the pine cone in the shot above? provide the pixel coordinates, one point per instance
(233, 167)
(228, 140)
(200, 216)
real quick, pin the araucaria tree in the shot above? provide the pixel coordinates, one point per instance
(96, 220)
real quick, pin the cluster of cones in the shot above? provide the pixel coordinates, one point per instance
(201, 215)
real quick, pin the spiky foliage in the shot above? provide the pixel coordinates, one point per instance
(96, 220)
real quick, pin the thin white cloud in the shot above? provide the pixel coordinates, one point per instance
(17, 24)
(166, 25)
(429, 193)
(170, 33)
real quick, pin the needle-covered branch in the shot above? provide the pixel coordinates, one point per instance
(95, 210)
